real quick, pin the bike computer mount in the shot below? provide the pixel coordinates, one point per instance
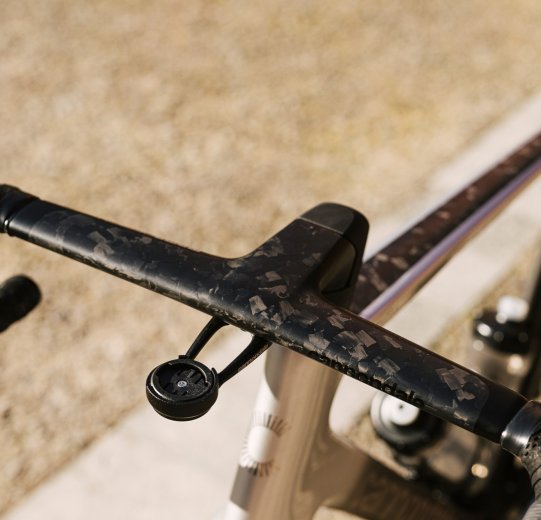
(184, 389)
(320, 252)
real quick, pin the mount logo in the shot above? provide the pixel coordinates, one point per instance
(385, 386)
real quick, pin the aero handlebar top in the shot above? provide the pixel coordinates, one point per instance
(281, 292)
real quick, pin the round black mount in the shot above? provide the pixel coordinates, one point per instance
(182, 389)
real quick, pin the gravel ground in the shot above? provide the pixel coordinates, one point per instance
(213, 124)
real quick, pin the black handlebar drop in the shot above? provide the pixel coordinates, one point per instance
(18, 296)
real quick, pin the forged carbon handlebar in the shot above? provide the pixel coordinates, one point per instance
(293, 289)
(280, 292)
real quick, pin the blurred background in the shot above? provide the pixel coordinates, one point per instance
(213, 124)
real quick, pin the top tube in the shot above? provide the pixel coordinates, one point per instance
(390, 277)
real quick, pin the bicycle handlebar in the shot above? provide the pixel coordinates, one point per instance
(279, 292)
(292, 290)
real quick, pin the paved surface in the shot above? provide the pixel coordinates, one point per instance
(151, 468)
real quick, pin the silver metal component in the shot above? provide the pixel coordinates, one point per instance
(500, 365)
(398, 423)
(511, 308)
(516, 366)
(525, 423)
(399, 413)
(479, 470)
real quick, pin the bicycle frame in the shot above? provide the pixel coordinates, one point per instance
(396, 272)
(348, 479)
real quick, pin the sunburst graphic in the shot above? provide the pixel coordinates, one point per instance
(258, 450)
